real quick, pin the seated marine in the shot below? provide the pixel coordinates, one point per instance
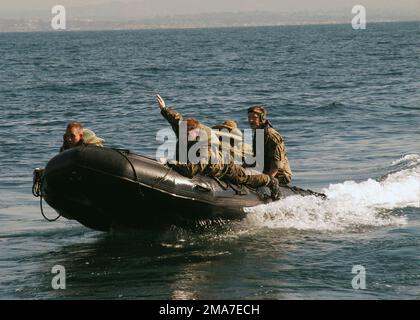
(276, 163)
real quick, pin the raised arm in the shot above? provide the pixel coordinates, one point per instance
(170, 115)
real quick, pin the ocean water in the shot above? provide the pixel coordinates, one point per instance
(346, 101)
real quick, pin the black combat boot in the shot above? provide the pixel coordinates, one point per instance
(274, 188)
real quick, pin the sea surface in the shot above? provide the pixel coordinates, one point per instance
(347, 103)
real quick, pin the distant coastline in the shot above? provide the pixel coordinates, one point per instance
(223, 20)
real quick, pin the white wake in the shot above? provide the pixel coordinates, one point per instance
(350, 205)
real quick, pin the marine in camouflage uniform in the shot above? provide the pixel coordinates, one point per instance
(76, 136)
(275, 159)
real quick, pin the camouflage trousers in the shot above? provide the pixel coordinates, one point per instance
(230, 172)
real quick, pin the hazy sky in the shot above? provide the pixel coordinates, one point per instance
(145, 8)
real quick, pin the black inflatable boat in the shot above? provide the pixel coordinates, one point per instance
(108, 189)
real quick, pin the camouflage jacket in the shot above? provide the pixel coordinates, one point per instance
(275, 154)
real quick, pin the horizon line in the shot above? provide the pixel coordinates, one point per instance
(206, 27)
